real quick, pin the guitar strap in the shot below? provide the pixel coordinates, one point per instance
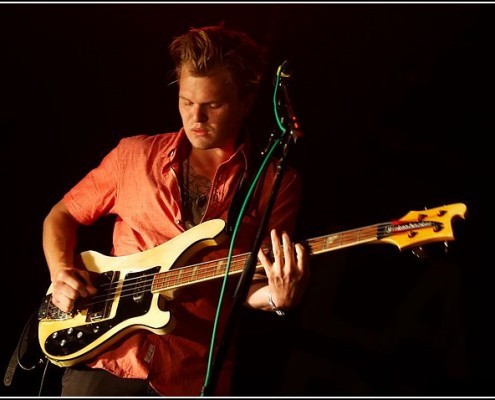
(27, 354)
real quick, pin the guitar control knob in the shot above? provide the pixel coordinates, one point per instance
(70, 330)
(79, 335)
(63, 342)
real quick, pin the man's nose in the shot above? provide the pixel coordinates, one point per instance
(199, 113)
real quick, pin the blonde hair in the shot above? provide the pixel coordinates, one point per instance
(203, 51)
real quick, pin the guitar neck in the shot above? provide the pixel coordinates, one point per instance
(414, 229)
(209, 270)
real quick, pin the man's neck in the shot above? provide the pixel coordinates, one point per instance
(206, 162)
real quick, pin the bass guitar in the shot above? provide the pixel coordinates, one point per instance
(131, 289)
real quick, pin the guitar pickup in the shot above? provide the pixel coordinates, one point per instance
(100, 305)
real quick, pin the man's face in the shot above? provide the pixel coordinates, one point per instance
(211, 110)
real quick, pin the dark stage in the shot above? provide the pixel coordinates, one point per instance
(396, 102)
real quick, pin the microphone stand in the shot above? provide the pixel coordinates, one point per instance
(286, 140)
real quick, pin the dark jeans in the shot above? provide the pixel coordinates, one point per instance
(97, 382)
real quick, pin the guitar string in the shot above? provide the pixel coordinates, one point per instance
(144, 282)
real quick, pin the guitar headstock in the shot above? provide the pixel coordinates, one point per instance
(417, 228)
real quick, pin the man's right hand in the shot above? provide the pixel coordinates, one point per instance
(68, 285)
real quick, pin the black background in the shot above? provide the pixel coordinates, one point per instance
(396, 104)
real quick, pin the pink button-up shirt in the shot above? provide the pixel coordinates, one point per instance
(139, 182)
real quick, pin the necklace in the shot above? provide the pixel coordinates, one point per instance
(195, 192)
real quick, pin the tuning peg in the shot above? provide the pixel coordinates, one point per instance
(420, 253)
(446, 247)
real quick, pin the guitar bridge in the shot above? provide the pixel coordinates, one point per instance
(50, 311)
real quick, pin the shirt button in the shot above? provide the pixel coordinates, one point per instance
(177, 221)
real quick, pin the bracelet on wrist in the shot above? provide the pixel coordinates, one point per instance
(273, 306)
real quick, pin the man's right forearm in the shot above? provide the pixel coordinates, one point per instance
(59, 238)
